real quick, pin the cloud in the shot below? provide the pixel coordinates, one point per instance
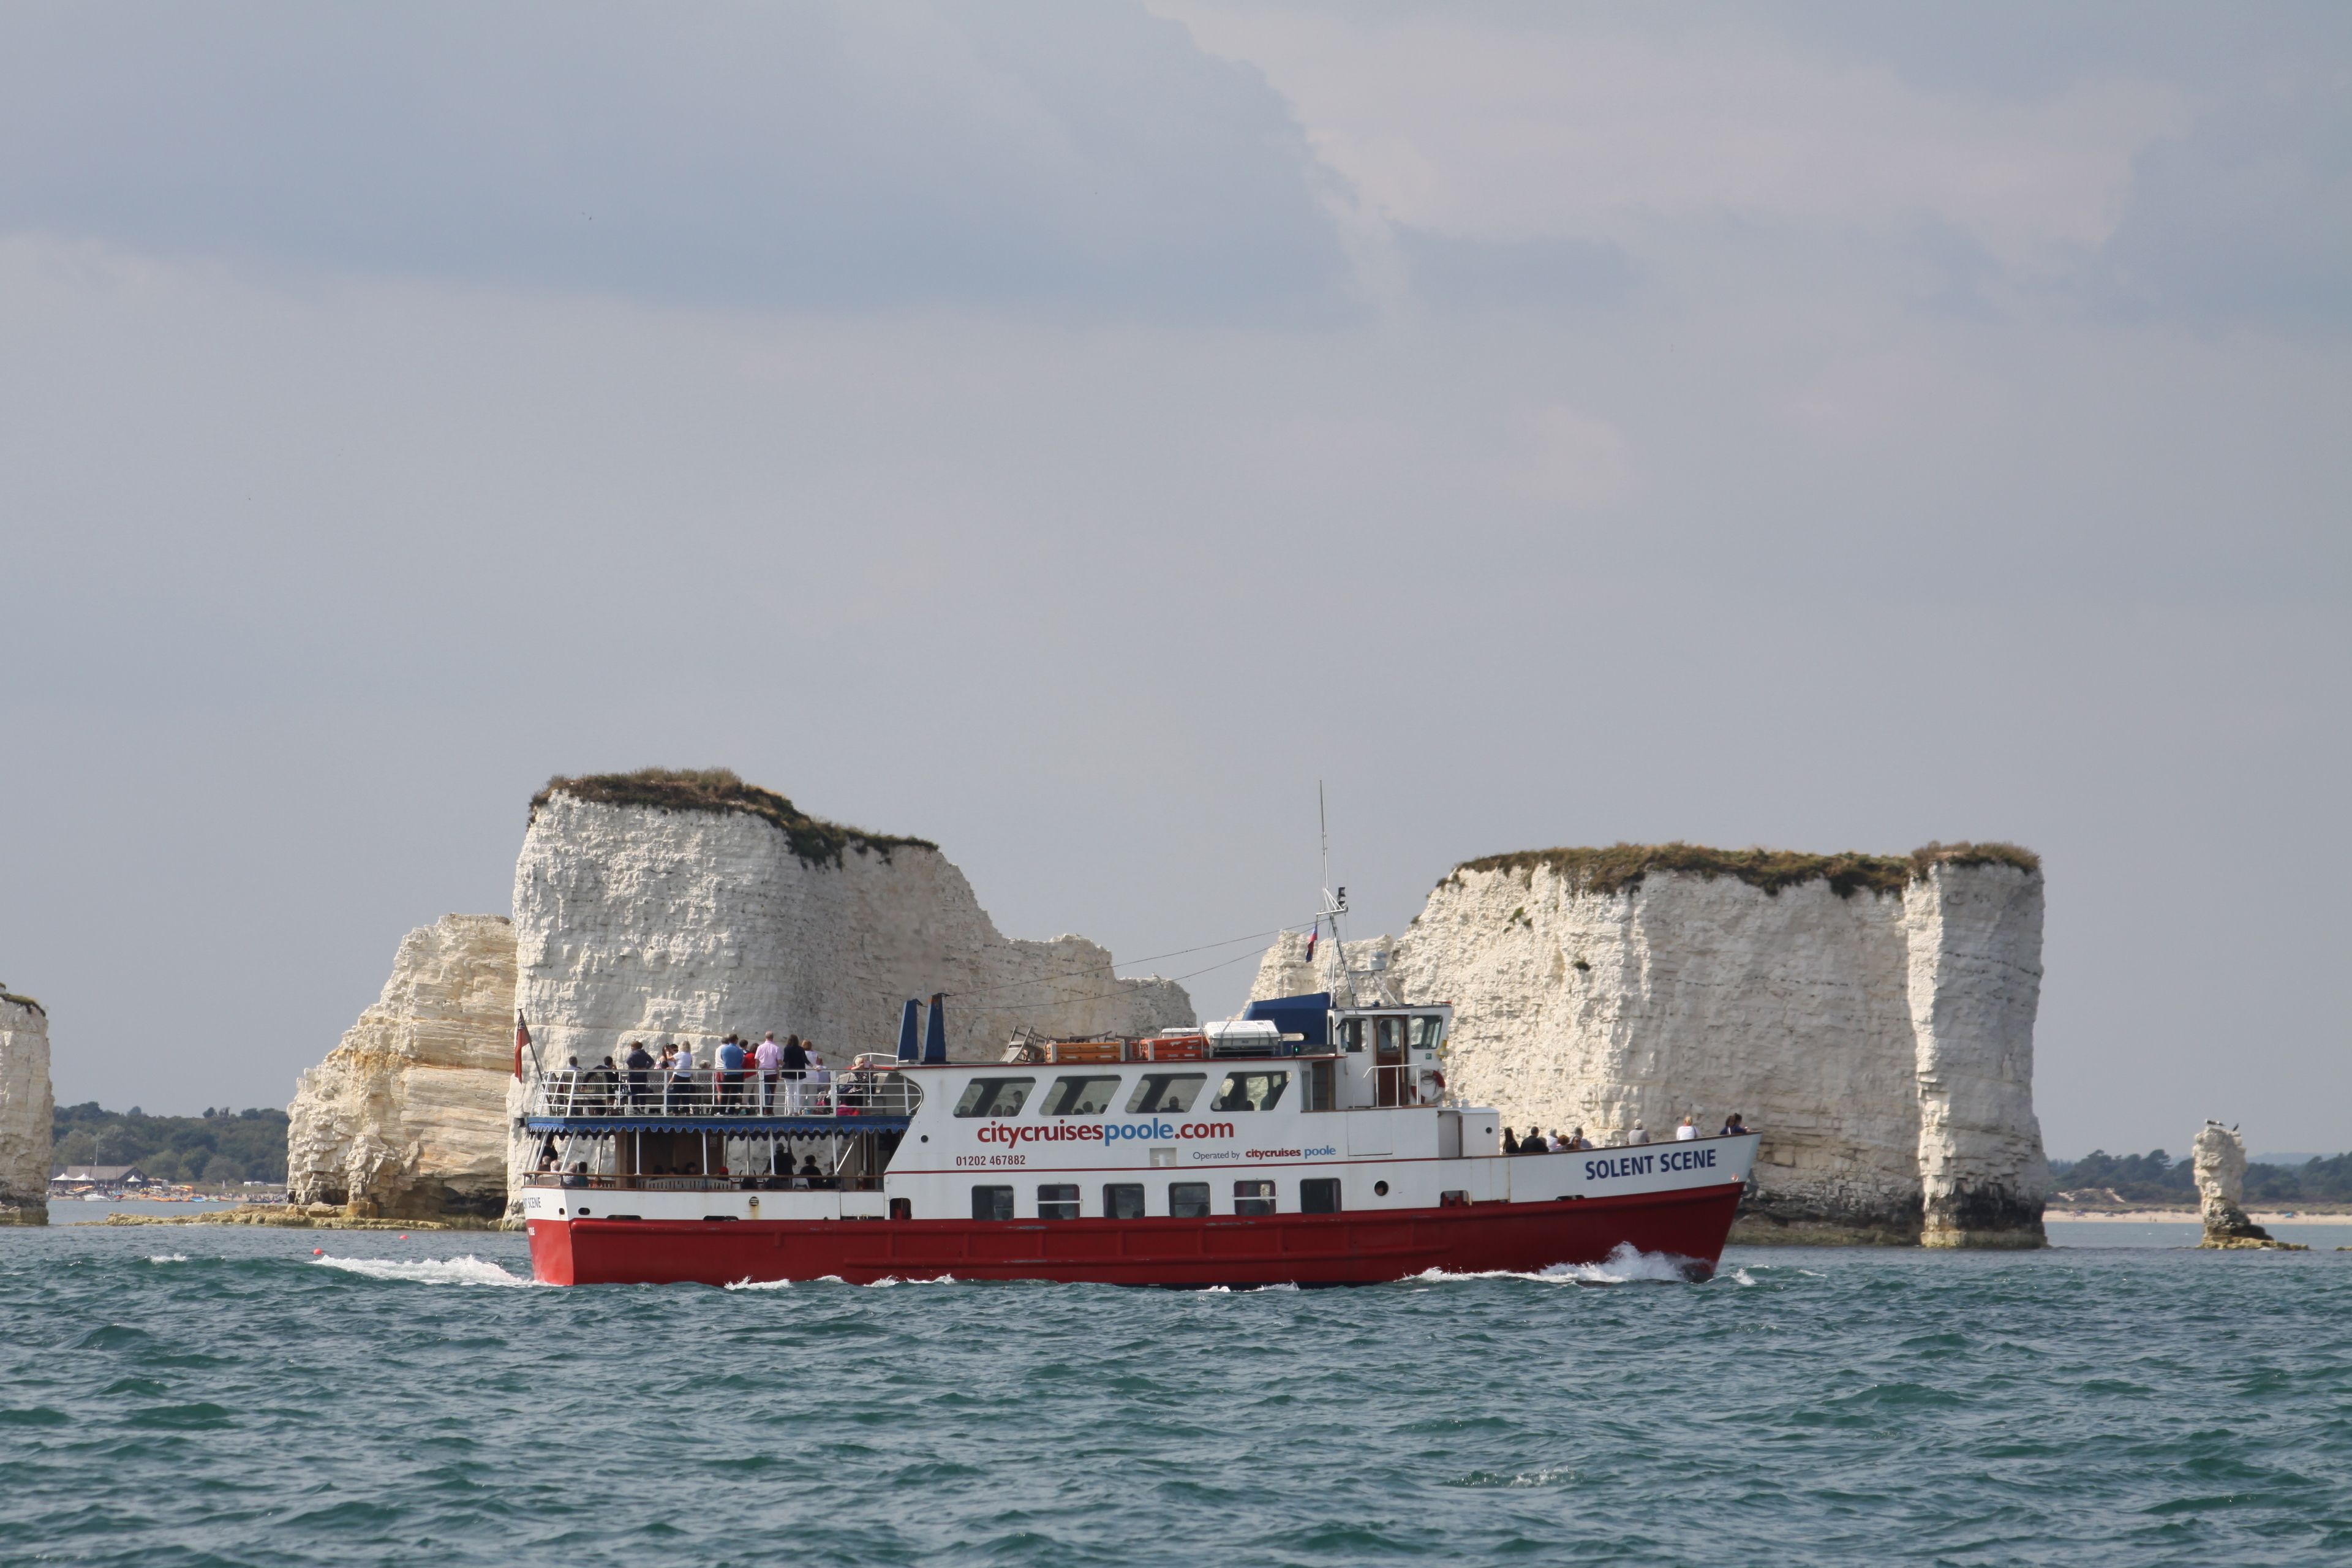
(1054, 155)
(1502, 131)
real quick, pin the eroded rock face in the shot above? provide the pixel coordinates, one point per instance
(1881, 1038)
(26, 1110)
(406, 1119)
(639, 923)
(2221, 1172)
(1973, 944)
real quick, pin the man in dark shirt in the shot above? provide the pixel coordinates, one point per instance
(640, 1064)
(796, 1071)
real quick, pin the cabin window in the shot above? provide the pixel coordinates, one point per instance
(996, 1096)
(1251, 1091)
(1388, 1039)
(1351, 1035)
(1165, 1092)
(1076, 1094)
(1319, 1194)
(992, 1203)
(1188, 1200)
(1057, 1200)
(1123, 1200)
(1427, 1028)
(1254, 1197)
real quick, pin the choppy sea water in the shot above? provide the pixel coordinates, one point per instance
(181, 1395)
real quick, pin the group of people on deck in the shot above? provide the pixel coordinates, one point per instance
(760, 1080)
(1537, 1142)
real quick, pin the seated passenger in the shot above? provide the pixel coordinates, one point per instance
(815, 1178)
(1510, 1142)
(1687, 1131)
(1733, 1127)
(577, 1176)
(1640, 1134)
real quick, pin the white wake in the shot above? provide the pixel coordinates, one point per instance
(466, 1271)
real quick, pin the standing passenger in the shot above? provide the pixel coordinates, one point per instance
(1733, 1127)
(796, 1062)
(641, 1065)
(771, 1056)
(730, 1073)
(682, 1076)
(1687, 1131)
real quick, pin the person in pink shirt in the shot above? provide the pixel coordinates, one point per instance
(770, 1058)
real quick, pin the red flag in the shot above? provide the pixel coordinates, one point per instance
(522, 1039)
(1310, 942)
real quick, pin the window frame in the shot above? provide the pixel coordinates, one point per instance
(1059, 1208)
(1207, 1200)
(1079, 1080)
(1259, 1200)
(1111, 1203)
(1167, 1080)
(995, 1085)
(1281, 1077)
(1324, 1185)
(991, 1188)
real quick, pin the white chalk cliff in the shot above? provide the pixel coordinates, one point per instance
(26, 1110)
(671, 907)
(1873, 1017)
(406, 1119)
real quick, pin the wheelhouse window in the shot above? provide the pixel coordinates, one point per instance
(1427, 1029)
(1254, 1197)
(992, 1203)
(1171, 1093)
(1057, 1200)
(1351, 1034)
(1188, 1200)
(1081, 1094)
(1319, 1194)
(996, 1096)
(1123, 1200)
(1251, 1091)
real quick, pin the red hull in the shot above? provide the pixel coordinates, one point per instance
(1307, 1249)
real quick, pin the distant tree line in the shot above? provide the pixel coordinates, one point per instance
(220, 1146)
(2156, 1177)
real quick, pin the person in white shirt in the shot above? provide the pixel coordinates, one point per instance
(820, 1080)
(681, 1075)
(1688, 1130)
(1640, 1134)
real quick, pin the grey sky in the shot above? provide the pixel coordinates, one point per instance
(1069, 431)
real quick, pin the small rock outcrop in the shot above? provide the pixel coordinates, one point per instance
(26, 1110)
(406, 1119)
(1872, 1016)
(2221, 1171)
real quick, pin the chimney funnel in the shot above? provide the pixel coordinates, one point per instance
(935, 1036)
(907, 1048)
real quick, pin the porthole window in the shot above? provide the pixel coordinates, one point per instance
(1381, 1188)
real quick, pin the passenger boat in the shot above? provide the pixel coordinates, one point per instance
(1306, 1144)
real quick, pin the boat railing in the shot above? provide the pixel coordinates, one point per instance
(710, 1093)
(583, 1182)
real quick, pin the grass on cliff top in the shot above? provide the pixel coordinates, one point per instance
(1624, 865)
(8, 996)
(813, 839)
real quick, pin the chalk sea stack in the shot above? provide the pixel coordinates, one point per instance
(665, 906)
(2221, 1171)
(1872, 1016)
(25, 1109)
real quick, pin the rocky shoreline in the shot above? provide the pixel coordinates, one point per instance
(313, 1216)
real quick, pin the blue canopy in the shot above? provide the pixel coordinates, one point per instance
(1308, 1015)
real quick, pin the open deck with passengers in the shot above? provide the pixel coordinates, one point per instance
(1306, 1143)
